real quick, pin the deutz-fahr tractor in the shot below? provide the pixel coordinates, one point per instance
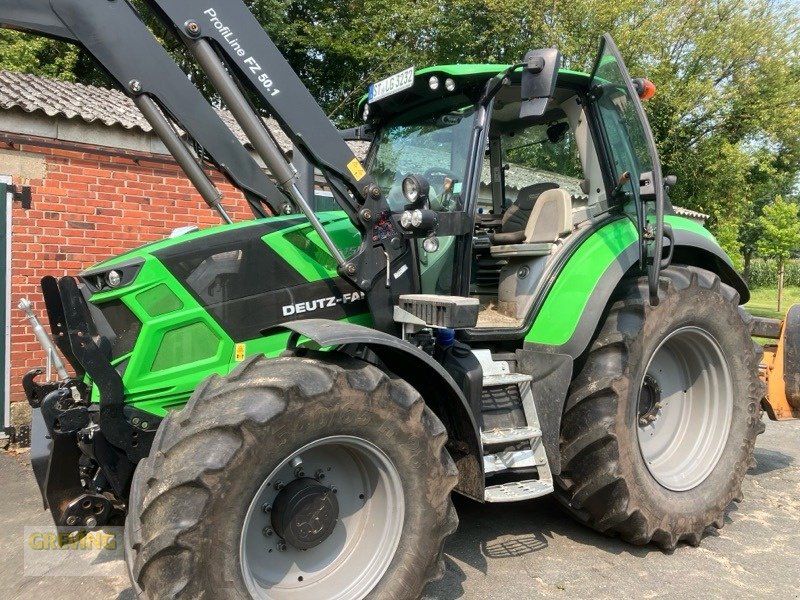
(505, 305)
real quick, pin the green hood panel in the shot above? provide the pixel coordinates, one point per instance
(333, 217)
(191, 292)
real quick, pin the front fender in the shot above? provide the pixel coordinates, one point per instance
(440, 392)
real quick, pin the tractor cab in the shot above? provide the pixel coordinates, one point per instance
(532, 185)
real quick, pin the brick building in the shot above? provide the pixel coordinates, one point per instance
(100, 182)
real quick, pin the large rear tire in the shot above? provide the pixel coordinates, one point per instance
(293, 478)
(661, 420)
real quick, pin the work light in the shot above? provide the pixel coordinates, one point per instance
(415, 189)
(114, 278)
(431, 244)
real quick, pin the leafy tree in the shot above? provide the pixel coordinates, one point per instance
(766, 180)
(37, 55)
(780, 235)
(727, 72)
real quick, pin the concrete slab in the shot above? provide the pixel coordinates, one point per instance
(526, 550)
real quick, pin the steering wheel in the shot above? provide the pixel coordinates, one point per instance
(435, 176)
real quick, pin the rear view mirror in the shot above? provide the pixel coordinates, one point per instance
(539, 80)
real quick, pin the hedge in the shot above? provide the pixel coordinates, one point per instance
(764, 273)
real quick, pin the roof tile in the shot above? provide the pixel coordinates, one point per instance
(59, 98)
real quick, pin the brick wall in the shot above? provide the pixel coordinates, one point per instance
(87, 207)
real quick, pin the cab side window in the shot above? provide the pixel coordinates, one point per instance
(541, 154)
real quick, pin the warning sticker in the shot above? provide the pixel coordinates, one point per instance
(356, 170)
(239, 352)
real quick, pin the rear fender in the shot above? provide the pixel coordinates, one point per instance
(695, 247)
(577, 299)
(580, 293)
(428, 377)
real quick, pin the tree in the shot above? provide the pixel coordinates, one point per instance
(727, 73)
(766, 180)
(780, 235)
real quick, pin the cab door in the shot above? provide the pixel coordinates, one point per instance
(633, 158)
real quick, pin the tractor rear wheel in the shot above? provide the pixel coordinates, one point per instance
(660, 424)
(293, 478)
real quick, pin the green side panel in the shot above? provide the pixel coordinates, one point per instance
(159, 300)
(567, 299)
(173, 380)
(303, 249)
(187, 344)
(159, 401)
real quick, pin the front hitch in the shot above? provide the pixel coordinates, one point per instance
(83, 454)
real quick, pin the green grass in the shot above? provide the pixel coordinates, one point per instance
(764, 301)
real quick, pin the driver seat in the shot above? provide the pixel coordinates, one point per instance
(516, 217)
(549, 220)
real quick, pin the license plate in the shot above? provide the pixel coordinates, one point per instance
(391, 85)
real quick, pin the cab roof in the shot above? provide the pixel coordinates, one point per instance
(470, 80)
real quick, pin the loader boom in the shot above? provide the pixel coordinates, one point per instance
(233, 32)
(238, 56)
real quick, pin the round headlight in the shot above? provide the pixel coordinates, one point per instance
(433, 82)
(431, 244)
(114, 278)
(416, 218)
(365, 115)
(405, 220)
(410, 189)
(449, 84)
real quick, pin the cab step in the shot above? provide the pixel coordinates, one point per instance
(527, 452)
(518, 490)
(511, 435)
(505, 379)
(510, 460)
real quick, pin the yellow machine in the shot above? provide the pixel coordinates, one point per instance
(779, 365)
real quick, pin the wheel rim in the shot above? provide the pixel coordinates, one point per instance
(685, 409)
(356, 549)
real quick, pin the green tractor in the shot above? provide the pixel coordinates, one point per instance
(505, 307)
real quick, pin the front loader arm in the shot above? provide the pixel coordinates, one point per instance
(238, 38)
(231, 47)
(115, 36)
(234, 51)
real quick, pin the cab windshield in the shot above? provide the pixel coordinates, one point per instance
(434, 145)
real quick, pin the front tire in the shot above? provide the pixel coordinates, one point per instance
(293, 478)
(659, 428)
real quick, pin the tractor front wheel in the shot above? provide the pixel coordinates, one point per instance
(660, 424)
(293, 478)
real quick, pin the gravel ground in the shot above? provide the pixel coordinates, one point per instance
(525, 550)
